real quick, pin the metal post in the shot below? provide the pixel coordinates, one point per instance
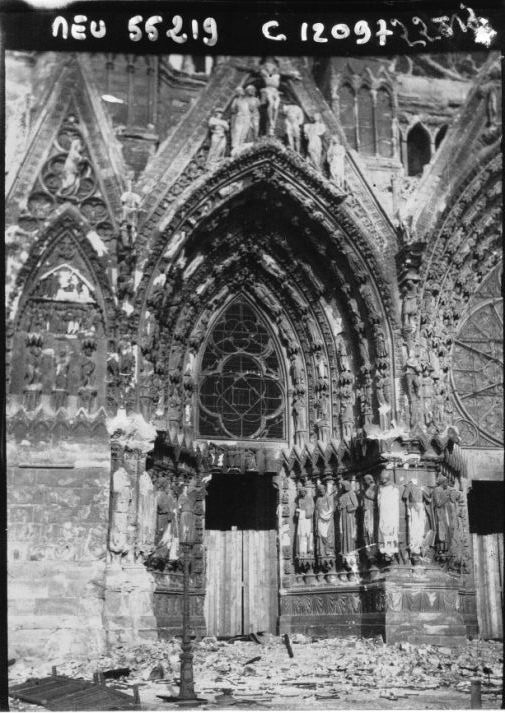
(187, 690)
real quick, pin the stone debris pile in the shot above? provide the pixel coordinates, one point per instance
(323, 673)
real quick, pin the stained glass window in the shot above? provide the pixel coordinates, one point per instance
(241, 391)
(478, 363)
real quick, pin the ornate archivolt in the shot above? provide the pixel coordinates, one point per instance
(441, 287)
(292, 255)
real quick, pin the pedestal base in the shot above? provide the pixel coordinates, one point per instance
(421, 607)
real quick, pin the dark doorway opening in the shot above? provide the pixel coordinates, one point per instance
(242, 501)
(485, 507)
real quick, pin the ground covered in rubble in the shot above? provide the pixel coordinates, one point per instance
(322, 674)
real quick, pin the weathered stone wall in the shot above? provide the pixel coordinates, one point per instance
(57, 534)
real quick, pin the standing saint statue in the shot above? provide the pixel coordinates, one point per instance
(305, 516)
(293, 120)
(369, 505)
(167, 525)
(219, 127)
(348, 505)
(416, 517)
(240, 119)
(336, 157)
(254, 110)
(324, 520)
(388, 500)
(443, 510)
(313, 133)
(187, 517)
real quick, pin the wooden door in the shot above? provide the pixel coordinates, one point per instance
(241, 565)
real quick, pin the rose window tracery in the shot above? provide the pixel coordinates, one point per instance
(241, 390)
(478, 367)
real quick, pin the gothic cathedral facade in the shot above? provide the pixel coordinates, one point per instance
(254, 305)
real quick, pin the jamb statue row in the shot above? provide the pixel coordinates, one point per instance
(339, 529)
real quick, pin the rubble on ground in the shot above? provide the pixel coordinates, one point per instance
(261, 673)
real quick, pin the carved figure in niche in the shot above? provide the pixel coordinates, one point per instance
(416, 517)
(240, 119)
(118, 534)
(130, 206)
(87, 390)
(313, 133)
(300, 420)
(188, 414)
(343, 361)
(310, 324)
(167, 525)
(125, 281)
(60, 390)
(414, 382)
(323, 417)
(293, 120)
(187, 516)
(304, 523)
(112, 377)
(324, 519)
(380, 344)
(457, 550)
(33, 372)
(443, 512)
(388, 501)
(71, 169)
(348, 505)
(347, 399)
(381, 389)
(127, 365)
(409, 305)
(369, 505)
(219, 128)
(336, 161)
(146, 516)
(322, 372)
(254, 110)
(297, 372)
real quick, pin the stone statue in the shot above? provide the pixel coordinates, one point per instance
(313, 133)
(299, 419)
(121, 498)
(322, 373)
(369, 505)
(343, 362)
(409, 306)
(304, 522)
(323, 417)
(71, 169)
(219, 128)
(388, 500)
(240, 119)
(293, 120)
(336, 158)
(297, 372)
(416, 517)
(442, 510)
(348, 505)
(270, 94)
(130, 205)
(324, 520)
(146, 516)
(60, 390)
(33, 374)
(254, 110)
(187, 517)
(87, 389)
(167, 525)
